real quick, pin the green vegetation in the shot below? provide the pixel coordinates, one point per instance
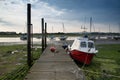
(13, 61)
(105, 65)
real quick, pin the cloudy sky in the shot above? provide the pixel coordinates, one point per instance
(73, 13)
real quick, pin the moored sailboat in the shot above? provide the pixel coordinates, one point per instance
(63, 37)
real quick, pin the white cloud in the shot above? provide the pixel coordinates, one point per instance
(44, 10)
(15, 12)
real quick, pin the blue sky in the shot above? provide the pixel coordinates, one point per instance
(102, 10)
(73, 13)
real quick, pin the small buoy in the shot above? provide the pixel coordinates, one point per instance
(52, 49)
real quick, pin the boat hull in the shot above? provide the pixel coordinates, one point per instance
(82, 57)
(62, 39)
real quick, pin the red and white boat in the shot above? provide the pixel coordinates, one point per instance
(83, 50)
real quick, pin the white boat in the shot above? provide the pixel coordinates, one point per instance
(52, 37)
(83, 50)
(23, 37)
(63, 38)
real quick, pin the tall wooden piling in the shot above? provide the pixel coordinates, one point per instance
(45, 35)
(29, 60)
(42, 24)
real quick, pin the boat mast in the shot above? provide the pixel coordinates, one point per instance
(84, 28)
(52, 29)
(25, 26)
(119, 29)
(109, 29)
(63, 27)
(90, 24)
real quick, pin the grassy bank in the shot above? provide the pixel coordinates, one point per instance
(105, 65)
(13, 61)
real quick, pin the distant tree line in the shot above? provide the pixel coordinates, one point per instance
(8, 33)
(60, 33)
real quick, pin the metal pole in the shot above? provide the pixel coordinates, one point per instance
(29, 60)
(109, 29)
(90, 23)
(45, 34)
(42, 34)
(119, 29)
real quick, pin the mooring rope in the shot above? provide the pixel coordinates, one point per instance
(84, 62)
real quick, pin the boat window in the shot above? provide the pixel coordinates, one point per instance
(83, 44)
(90, 45)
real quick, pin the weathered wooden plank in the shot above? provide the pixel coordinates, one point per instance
(55, 66)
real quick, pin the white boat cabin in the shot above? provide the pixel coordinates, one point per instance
(84, 45)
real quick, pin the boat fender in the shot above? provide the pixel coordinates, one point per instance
(52, 49)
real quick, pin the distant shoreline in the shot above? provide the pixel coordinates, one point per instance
(100, 41)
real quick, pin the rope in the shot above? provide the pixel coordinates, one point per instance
(85, 61)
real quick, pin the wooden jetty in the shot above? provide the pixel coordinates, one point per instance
(55, 66)
(50, 66)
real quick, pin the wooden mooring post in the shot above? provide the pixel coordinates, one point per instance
(29, 59)
(42, 24)
(44, 34)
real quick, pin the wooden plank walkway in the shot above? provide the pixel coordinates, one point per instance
(55, 66)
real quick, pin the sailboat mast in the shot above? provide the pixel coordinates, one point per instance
(52, 29)
(119, 28)
(90, 23)
(109, 29)
(63, 27)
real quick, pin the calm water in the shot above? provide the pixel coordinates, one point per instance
(16, 40)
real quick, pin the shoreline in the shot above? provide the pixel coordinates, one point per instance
(97, 42)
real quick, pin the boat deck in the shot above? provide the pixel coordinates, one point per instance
(55, 66)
